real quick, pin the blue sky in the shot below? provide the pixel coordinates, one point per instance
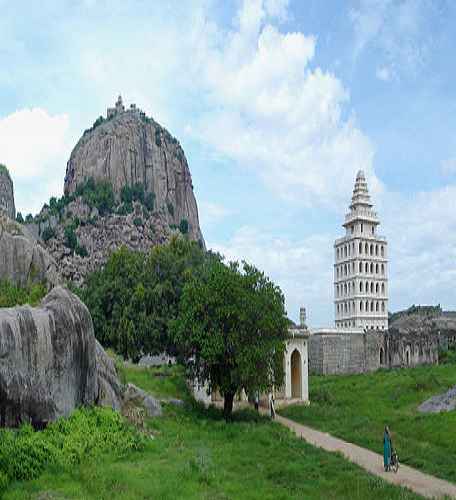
(277, 104)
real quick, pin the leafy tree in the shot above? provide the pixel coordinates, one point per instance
(19, 218)
(232, 328)
(81, 250)
(138, 221)
(142, 291)
(29, 218)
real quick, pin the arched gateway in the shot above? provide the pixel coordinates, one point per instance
(296, 375)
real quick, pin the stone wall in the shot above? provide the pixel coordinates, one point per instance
(337, 352)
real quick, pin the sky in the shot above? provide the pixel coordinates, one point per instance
(277, 104)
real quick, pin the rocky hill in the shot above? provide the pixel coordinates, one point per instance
(127, 149)
(127, 183)
(6, 193)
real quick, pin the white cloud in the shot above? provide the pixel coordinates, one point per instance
(270, 111)
(212, 213)
(448, 166)
(303, 269)
(35, 146)
(384, 73)
(399, 30)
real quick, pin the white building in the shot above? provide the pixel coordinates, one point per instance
(361, 266)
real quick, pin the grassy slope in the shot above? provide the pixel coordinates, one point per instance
(195, 455)
(356, 408)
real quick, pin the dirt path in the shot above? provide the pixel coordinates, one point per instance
(423, 484)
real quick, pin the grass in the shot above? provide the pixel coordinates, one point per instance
(196, 455)
(357, 407)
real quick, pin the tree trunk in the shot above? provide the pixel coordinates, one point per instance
(228, 405)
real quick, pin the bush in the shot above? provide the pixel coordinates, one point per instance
(81, 250)
(86, 434)
(12, 295)
(128, 194)
(48, 233)
(138, 221)
(149, 201)
(71, 240)
(183, 226)
(170, 208)
(125, 209)
(29, 219)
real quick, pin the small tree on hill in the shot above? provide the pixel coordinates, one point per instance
(232, 326)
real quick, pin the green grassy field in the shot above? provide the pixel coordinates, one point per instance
(357, 407)
(196, 455)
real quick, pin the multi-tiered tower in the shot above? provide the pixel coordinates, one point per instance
(361, 266)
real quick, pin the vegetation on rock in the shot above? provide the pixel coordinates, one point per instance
(4, 170)
(232, 327)
(11, 295)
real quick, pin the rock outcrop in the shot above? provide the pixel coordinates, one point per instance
(6, 193)
(129, 148)
(110, 389)
(23, 259)
(47, 360)
(442, 402)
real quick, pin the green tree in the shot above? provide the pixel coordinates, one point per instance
(232, 328)
(144, 289)
(19, 218)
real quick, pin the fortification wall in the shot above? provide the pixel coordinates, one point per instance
(358, 352)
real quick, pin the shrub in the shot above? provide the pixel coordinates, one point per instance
(125, 209)
(12, 295)
(170, 208)
(183, 226)
(48, 233)
(149, 201)
(81, 250)
(71, 240)
(86, 434)
(29, 219)
(138, 221)
(157, 137)
(4, 170)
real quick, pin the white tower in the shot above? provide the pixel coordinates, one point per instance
(361, 266)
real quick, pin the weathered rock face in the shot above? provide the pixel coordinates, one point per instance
(442, 402)
(129, 149)
(110, 389)
(22, 259)
(47, 360)
(6, 194)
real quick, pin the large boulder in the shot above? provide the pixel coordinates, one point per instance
(439, 403)
(6, 193)
(47, 360)
(22, 258)
(130, 148)
(110, 389)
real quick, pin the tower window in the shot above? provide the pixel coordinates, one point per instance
(360, 248)
(361, 227)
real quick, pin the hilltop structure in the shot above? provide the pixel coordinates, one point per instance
(361, 266)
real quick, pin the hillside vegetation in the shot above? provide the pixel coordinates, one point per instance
(194, 454)
(357, 407)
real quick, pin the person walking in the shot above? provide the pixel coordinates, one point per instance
(387, 448)
(271, 406)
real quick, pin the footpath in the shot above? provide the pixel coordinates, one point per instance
(423, 484)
